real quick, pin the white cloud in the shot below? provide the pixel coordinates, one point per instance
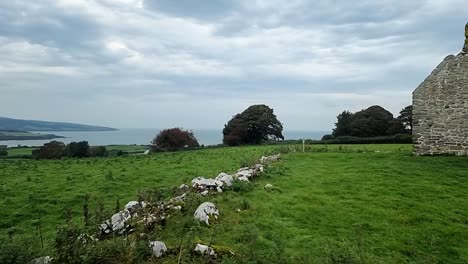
(305, 58)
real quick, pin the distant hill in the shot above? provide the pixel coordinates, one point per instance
(23, 135)
(34, 125)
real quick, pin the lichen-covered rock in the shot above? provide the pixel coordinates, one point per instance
(205, 250)
(225, 178)
(205, 212)
(158, 248)
(440, 108)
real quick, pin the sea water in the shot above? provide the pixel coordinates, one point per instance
(140, 136)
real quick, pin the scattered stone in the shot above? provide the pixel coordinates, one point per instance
(225, 178)
(205, 211)
(117, 223)
(243, 178)
(42, 260)
(258, 168)
(158, 248)
(184, 187)
(267, 159)
(201, 183)
(146, 152)
(219, 190)
(247, 173)
(178, 199)
(205, 250)
(268, 186)
(204, 193)
(133, 206)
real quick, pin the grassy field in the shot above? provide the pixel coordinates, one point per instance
(332, 204)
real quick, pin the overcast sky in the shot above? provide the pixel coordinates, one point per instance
(194, 64)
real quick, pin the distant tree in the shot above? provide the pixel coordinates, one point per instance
(343, 125)
(406, 118)
(374, 121)
(174, 139)
(98, 151)
(3, 151)
(328, 137)
(256, 124)
(78, 149)
(51, 150)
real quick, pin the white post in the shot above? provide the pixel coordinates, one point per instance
(303, 145)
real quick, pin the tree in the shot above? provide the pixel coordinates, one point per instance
(3, 151)
(78, 149)
(174, 139)
(406, 118)
(374, 121)
(51, 150)
(256, 124)
(343, 124)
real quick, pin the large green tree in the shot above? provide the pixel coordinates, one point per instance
(374, 121)
(406, 118)
(256, 124)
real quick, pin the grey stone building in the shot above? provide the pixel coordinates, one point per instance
(440, 108)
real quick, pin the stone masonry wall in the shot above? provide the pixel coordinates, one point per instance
(440, 108)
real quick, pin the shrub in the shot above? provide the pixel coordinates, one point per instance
(174, 139)
(98, 151)
(3, 153)
(78, 149)
(51, 150)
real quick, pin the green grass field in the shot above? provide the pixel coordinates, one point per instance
(332, 204)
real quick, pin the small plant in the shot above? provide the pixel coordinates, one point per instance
(245, 204)
(242, 186)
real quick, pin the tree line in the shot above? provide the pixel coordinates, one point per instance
(58, 150)
(256, 125)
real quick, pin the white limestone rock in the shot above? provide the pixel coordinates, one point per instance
(201, 183)
(205, 250)
(133, 206)
(158, 248)
(42, 260)
(205, 212)
(225, 178)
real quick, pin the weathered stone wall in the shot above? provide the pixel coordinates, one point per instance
(440, 108)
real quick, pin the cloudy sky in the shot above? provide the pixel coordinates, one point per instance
(194, 64)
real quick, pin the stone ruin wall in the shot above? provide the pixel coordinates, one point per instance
(440, 108)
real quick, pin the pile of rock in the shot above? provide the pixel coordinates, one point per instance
(206, 212)
(118, 223)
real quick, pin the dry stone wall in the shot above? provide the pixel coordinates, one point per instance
(440, 108)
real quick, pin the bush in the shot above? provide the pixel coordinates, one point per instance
(17, 250)
(98, 151)
(3, 153)
(396, 139)
(174, 139)
(78, 149)
(327, 137)
(51, 150)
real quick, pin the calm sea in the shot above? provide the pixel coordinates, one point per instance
(141, 136)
